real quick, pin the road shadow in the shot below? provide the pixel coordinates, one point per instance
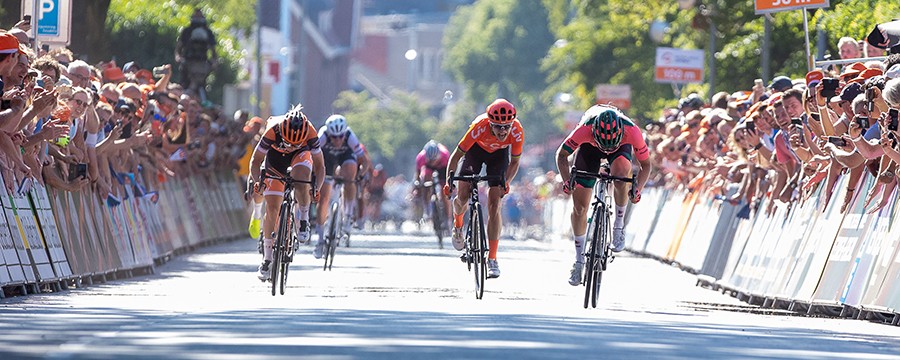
(348, 334)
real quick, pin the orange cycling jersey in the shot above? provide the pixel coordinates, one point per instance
(480, 133)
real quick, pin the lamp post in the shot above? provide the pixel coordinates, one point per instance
(411, 56)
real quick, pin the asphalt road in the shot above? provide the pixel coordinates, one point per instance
(398, 296)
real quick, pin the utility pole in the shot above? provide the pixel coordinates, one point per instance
(258, 105)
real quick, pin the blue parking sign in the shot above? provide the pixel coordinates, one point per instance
(48, 18)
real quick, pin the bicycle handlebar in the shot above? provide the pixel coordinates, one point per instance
(580, 173)
(287, 179)
(476, 178)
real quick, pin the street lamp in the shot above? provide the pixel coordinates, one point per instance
(411, 55)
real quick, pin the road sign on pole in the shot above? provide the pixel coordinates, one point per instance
(615, 95)
(771, 6)
(679, 66)
(54, 19)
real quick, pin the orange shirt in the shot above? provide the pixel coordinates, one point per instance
(480, 133)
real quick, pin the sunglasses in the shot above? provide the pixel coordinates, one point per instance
(335, 136)
(123, 112)
(79, 102)
(501, 127)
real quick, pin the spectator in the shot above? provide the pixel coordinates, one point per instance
(848, 48)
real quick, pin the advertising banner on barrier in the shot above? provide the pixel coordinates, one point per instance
(846, 244)
(8, 251)
(815, 253)
(884, 275)
(49, 231)
(19, 238)
(863, 265)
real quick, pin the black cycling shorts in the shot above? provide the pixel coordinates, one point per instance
(496, 163)
(278, 162)
(332, 160)
(588, 158)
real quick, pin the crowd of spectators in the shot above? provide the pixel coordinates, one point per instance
(76, 126)
(784, 140)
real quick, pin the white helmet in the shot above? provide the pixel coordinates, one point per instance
(336, 125)
(432, 151)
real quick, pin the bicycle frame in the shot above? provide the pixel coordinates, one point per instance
(435, 206)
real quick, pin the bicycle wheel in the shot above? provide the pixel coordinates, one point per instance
(603, 241)
(278, 247)
(590, 277)
(479, 248)
(287, 255)
(332, 236)
(437, 219)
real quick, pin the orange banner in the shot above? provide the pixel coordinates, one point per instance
(770, 6)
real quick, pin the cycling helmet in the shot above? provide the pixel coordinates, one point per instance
(501, 112)
(432, 152)
(293, 128)
(336, 125)
(606, 127)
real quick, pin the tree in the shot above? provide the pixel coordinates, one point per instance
(393, 132)
(500, 56)
(146, 31)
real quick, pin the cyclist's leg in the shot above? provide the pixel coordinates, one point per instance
(348, 173)
(444, 199)
(331, 162)
(322, 209)
(273, 194)
(621, 166)
(587, 158)
(302, 170)
(496, 164)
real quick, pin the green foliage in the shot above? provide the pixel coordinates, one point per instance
(509, 39)
(394, 132)
(608, 42)
(146, 31)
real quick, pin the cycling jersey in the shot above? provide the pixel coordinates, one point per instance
(443, 160)
(284, 155)
(350, 144)
(480, 133)
(583, 134)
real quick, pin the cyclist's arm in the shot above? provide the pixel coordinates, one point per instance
(562, 162)
(318, 168)
(363, 165)
(454, 161)
(644, 174)
(513, 169)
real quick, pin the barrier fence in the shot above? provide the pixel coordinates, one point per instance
(50, 239)
(808, 257)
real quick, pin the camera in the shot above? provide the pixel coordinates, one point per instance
(829, 87)
(839, 141)
(78, 171)
(796, 121)
(751, 125)
(194, 145)
(863, 122)
(892, 117)
(27, 19)
(159, 71)
(870, 99)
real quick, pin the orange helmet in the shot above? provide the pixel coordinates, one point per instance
(293, 128)
(501, 112)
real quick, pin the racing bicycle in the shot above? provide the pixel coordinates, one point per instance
(475, 253)
(599, 254)
(285, 237)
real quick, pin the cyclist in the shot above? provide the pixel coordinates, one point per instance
(375, 193)
(603, 133)
(494, 139)
(289, 141)
(433, 157)
(340, 147)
